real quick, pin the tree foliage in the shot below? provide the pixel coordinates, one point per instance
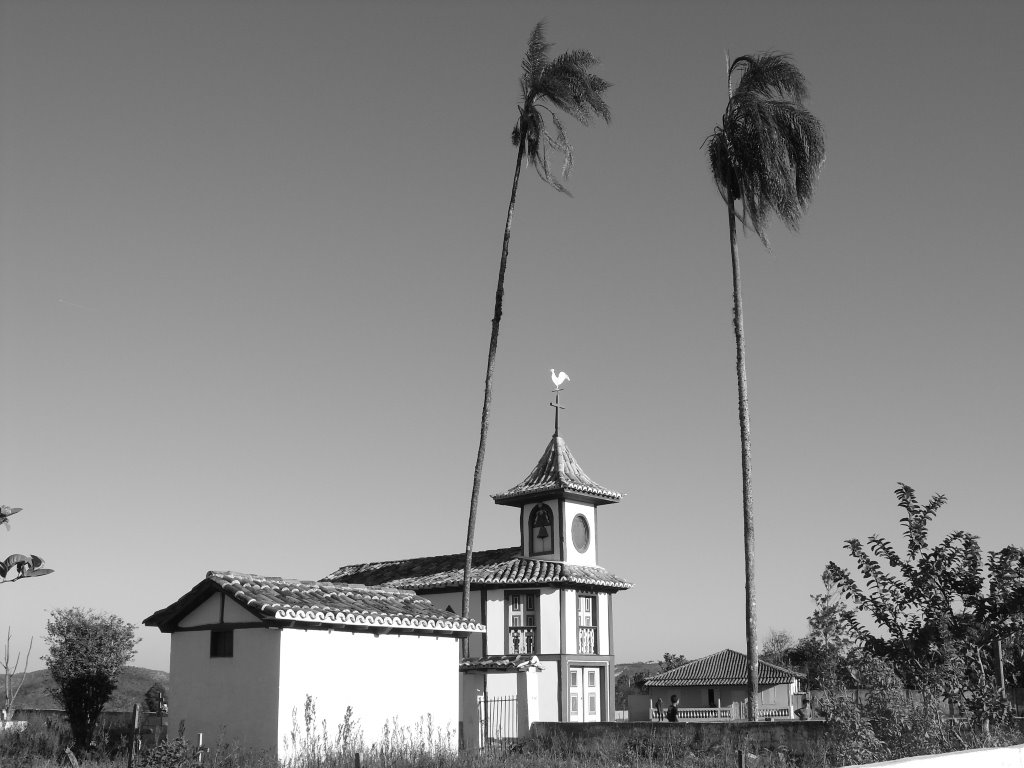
(564, 83)
(627, 685)
(937, 611)
(87, 650)
(823, 653)
(671, 661)
(778, 647)
(155, 697)
(769, 148)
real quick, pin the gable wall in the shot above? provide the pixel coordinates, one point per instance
(234, 698)
(209, 612)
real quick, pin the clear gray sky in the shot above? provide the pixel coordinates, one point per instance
(247, 263)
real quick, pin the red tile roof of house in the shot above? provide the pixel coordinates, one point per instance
(283, 602)
(557, 471)
(498, 567)
(726, 667)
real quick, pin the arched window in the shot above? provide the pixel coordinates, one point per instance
(542, 538)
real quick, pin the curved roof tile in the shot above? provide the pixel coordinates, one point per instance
(557, 471)
(273, 599)
(726, 667)
(504, 567)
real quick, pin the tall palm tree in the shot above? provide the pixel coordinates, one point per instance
(564, 83)
(765, 158)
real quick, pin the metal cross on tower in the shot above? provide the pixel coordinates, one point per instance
(557, 380)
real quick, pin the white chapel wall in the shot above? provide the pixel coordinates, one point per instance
(550, 626)
(397, 679)
(604, 640)
(496, 621)
(571, 635)
(547, 691)
(589, 557)
(231, 698)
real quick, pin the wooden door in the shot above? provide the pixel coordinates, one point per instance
(584, 694)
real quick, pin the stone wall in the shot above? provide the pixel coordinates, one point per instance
(798, 737)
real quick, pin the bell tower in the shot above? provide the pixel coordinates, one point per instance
(557, 504)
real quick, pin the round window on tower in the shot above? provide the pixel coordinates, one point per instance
(580, 533)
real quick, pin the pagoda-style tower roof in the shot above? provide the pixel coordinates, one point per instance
(556, 474)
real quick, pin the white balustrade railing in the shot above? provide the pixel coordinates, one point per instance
(521, 640)
(705, 713)
(587, 640)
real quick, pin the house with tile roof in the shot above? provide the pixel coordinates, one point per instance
(544, 598)
(715, 687)
(247, 651)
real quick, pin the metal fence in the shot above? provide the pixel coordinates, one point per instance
(498, 721)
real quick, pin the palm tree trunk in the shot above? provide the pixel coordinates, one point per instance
(748, 510)
(499, 296)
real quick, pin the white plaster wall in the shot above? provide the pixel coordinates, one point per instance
(501, 684)
(496, 621)
(547, 691)
(571, 636)
(209, 611)
(604, 640)
(550, 626)
(397, 679)
(231, 699)
(573, 508)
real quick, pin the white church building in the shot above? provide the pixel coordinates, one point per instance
(540, 631)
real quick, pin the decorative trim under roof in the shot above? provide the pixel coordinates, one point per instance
(498, 567)
(556, 472)
(311, 604)
(500, 664)
(726, 667)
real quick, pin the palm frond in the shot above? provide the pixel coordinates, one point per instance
(535, 60)
(768, 151)
(560, 143)
(564, 83)
(770, 75)
(569, 85)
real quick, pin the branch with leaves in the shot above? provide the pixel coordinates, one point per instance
(939, 610)
(23, 566)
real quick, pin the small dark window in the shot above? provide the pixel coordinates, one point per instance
(222, 643)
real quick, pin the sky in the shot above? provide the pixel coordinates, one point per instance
(248, 253)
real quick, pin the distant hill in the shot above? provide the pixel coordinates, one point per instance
(132, 684)
(647, 667)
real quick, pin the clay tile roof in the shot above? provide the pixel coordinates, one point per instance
(280, 601)
(557, 471)
(500, 663)
(504, 567)
(726, 667)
